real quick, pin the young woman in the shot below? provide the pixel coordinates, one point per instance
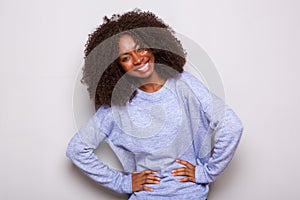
(157, 118)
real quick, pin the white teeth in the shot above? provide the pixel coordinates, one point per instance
(144, 67)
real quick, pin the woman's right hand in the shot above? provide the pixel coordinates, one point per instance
(144, 177)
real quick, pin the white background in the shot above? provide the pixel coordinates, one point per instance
(254, 45)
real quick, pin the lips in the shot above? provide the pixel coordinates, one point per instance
(143, 68)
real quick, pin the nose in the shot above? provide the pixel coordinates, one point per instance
(137, 58)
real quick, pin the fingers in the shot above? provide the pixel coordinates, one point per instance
(187, 164)
(188, 171)
(187, 179)
(139, 179)
(147, 189)
(151, 180)
(183, 172)
(148, 172)
(144, 177)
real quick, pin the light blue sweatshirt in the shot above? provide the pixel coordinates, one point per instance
(178, 121)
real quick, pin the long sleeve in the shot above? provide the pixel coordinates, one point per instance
(222, 123)
(228, 130)
(81, 148)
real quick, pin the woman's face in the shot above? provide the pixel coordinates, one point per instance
(137, 61)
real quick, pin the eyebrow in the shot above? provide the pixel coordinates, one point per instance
(121, 54)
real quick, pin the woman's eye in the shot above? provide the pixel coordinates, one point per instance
(124, 59)
(140, 49)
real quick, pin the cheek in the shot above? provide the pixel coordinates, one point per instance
(151, 56)
(125, 66)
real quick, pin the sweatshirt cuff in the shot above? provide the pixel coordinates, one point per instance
(126, 184)
(200, 175)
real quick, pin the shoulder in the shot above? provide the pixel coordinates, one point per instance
(103, 111)
(193, 89)
(187, 79)
(104, 118)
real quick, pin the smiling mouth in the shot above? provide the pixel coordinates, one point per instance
(144, 68)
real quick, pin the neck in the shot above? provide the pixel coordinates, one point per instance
(152, 83)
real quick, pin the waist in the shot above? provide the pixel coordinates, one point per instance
(170, 186)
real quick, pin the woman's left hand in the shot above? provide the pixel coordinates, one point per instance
(188, 171)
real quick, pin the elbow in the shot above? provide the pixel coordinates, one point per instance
(69, 152)
(236, 125)
(240, 127)
(235, 122)
(76, 149)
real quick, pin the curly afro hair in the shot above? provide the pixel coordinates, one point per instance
(102, 71)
